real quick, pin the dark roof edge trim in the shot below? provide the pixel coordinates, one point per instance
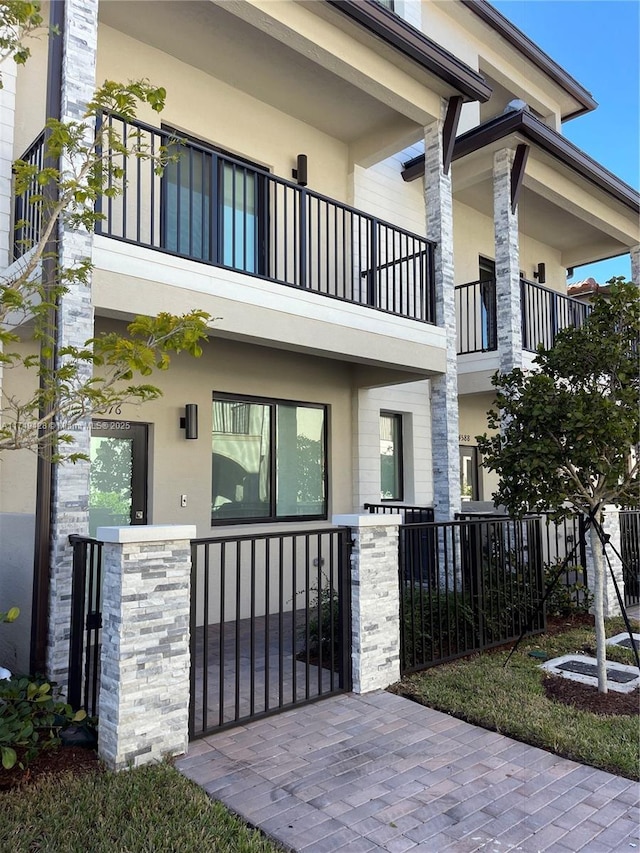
(545, 138)
(412, 43)
(530, 49)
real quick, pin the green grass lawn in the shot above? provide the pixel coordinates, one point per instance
(511, 700)
(151, 809)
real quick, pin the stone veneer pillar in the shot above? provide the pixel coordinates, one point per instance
(507, 257)
(144, 679)
(635, 264)
(375, 600)
(444, 388)
(69, 510)
(611, 528)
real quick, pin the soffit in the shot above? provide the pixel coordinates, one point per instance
(208, 36)
(557, 207)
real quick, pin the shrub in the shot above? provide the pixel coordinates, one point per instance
(31, 718)
(569, 594)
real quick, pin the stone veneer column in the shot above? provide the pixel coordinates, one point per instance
(375, 600)
(444, 389)
(7, 155)
(611, 528)
(507, 256)
(635, 264)
(144, 679)
(69, 511)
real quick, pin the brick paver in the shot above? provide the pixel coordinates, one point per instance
(378, 772)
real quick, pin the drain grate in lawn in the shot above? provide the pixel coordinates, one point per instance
(591, 669)
(624, 641)
(620, 677)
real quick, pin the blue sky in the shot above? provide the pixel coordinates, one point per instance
(598, 43)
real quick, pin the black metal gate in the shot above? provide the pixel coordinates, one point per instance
(270, 625)
(86, 624)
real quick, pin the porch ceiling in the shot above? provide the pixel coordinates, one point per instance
(245, 46)
(557, 207)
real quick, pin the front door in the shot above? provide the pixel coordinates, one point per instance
(118, 478)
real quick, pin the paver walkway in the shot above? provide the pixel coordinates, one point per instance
(379, 772)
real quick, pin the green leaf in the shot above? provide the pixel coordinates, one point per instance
(9, 757)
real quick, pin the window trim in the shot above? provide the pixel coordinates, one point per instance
(399, 419)
(273, 403)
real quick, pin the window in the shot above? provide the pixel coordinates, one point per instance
(469, 470)
(388, 3)
(391, 474)
(237, 238)
(268, 460)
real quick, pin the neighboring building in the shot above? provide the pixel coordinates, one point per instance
(362, 309)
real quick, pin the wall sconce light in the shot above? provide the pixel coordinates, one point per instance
(540, 274)
(300, 172)
(189, 423)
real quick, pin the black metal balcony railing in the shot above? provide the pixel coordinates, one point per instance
(225, 212)
(28, 211)
(544, 313)
(476, 317)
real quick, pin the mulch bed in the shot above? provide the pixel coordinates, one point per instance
(584, 697)
(54, 761)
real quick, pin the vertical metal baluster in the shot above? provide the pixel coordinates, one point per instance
(267, 636)
(334, 638)
(222, 656)
(205, 637)
(152, 181)
(321, 596)
(294, 569)
(252, 629)
(237, 632)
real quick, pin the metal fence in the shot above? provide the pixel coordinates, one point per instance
(630, 552)
(270, 617)
(466, 586)
(227, 212)
(545, 312)
(410, 514)
(86, 624)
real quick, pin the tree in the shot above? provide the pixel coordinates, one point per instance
(568, 433)
(83, 161)
(19, 21)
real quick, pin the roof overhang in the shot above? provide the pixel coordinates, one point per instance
(531, 129)
(568, 202)
(410, 42)
(529, 49)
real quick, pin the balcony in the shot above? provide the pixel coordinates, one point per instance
(544, 313)
(224, 212)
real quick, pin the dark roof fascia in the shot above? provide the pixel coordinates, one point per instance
(409, 41)
(545, 138)
(530, 49)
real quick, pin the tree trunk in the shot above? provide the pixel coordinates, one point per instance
(598, 603)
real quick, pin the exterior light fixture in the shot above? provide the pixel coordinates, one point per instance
(300, 172)
(540, 274)
(189, 423)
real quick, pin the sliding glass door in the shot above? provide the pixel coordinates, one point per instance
(213, 209)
